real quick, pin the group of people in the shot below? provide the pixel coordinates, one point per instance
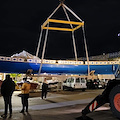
(7, 89)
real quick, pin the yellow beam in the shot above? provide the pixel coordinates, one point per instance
(65, 22)
(77, 27)
(55, 28)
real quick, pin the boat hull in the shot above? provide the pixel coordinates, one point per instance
(22, 67)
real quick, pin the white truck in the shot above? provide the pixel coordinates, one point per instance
(72, 83)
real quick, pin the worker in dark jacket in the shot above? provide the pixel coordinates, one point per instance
(7, 89)
(44, 89)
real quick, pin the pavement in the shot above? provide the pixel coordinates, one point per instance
(58, 106)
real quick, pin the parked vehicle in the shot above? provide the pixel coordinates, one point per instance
(52, 86)
(72, 83)
(104, 82)
(93, 84)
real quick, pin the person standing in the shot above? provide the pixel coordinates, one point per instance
(44, 89)
(7, 89)
(25, 94)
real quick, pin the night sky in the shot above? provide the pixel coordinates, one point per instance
(21, 20)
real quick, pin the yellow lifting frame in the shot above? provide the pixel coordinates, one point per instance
(79, 24)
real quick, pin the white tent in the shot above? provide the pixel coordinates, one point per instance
(25, 55)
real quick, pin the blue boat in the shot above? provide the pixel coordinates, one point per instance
(18, 65)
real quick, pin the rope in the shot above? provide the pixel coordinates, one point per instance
(44, 41)
(72, 12)
(67, 16)
(43, 49)
(53, 12)
(39, 43)
(86, 49)
(42, 30)
(72, 33)
(74, 45)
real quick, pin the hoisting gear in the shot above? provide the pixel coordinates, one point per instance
(73, 26)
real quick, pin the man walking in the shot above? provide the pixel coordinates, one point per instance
(7, 89)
